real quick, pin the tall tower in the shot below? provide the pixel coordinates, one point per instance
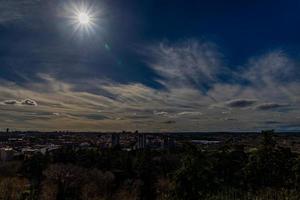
(115, 140)
(141, 141)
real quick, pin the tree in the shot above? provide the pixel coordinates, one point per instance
(194, 179)
(67, 180)
(268, 143)
(269, 166)
(98, 185)
(13, 188)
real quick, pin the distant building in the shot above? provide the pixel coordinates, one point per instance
(6, 154)
(84, 145)
(168, 142)
(28, 151)
(115, 140)
(141, 141)
(49, 149)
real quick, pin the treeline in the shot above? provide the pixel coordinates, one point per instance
(190, 173)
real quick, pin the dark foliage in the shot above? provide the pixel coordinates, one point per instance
(230, 172)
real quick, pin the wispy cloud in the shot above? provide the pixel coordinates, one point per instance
(13, 10)
(271, 69)
(193, 97)
(190, 63)
(270, 106)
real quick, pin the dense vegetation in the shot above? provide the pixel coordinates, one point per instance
(189, 173)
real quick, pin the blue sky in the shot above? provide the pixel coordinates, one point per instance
(150, 65)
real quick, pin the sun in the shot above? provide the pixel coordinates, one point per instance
(84, 18)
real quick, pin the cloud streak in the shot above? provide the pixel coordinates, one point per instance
(240, 103)
(190, 63)
(270, 106)
(193, 96)
(25, 102)
(12, 10)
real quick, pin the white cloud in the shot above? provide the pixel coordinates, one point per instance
(29, 102)
(184, 68)
(271, 69)
(189, 113)
(25, 102)
(10, 102)
(189, 63)
(162, 113)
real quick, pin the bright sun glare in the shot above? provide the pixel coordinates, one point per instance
(84, 18)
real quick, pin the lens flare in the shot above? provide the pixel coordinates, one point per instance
(83, 17)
